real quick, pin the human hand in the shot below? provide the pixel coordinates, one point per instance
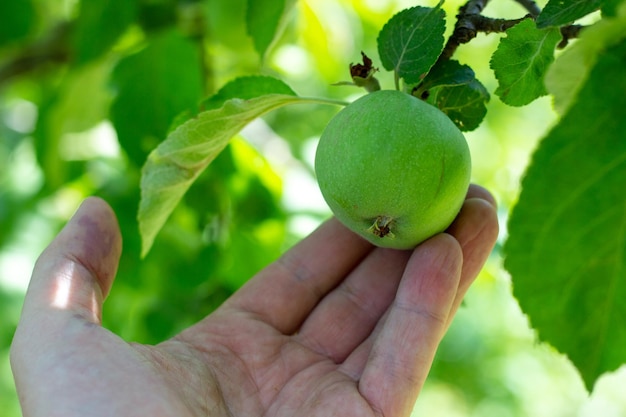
(334, 327)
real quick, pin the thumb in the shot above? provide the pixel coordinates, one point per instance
(75, 272)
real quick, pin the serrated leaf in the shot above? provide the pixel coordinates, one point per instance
(155, 85)
(562, 12)
(568, 73)
(448, 73)
(566, 250)
(173, 166)
(264, 21)
(521, 61)
(454, 89)
(411, 41)
(464, 104)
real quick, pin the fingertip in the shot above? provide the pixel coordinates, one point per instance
(478, 219)
(476, 229)
(75, 272)
(94, 240)
(442, 250)
(434, 267)
(404, 349)
(476, 191)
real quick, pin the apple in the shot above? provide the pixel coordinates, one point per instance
(393, 168)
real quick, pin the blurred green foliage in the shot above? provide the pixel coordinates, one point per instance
(88, 88)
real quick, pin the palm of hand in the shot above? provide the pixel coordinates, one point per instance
(261, 373)
(332, 328)
(246, 361)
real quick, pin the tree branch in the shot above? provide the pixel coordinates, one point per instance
(473, 7)
(53, 49)
(569, 32)
(470, 22)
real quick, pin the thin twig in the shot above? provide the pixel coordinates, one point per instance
(490, 25)
(470, 22)
(569, 32)
(473, 7)
(52, 49)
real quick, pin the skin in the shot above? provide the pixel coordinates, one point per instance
(334, 327)
(393, 168)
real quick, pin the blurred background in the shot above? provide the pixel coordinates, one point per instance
(84, 97)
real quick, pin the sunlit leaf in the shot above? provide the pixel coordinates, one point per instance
(80, 102)
(521, 61)
(411, 41)
(174, 165)
(566, 76)
(566, 250)
(562, 12)
(245, 88)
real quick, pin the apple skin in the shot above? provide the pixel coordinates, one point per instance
(393, 169)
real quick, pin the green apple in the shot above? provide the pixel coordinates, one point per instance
(393, 168)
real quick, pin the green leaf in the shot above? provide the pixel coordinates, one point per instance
(80, 101)
(568, 73)
(173, 166)
(448, 73)
(246, 88)
(411, 41)
(566, 250)
(158, 15)
(610, 7)
(563, 12)
(464, 104)
(454, 89)
(99, 24)
(84, 97)
(17, 18)
(264, 20)
(521, 61)
(155, 85)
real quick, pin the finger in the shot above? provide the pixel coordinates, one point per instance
(346, 316)
(403, 351)
(284, 293)
(476, 230)
(76, 270)
(476, 191)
